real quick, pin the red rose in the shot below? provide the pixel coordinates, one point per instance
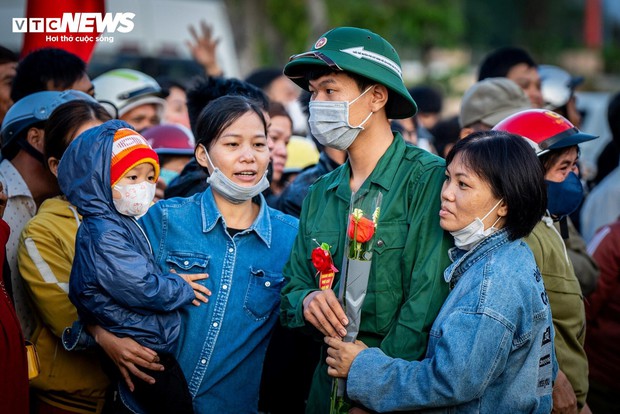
(365, 229)
(322, 260)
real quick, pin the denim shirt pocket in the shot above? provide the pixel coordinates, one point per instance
(187, 262)
(263, 294)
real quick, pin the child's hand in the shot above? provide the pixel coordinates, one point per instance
(199, 290)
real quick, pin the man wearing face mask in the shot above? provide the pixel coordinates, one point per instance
(555, 141)
(355, 79)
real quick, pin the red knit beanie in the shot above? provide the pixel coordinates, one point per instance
(129, 150)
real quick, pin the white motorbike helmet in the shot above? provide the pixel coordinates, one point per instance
(121, 90)
(557, 86)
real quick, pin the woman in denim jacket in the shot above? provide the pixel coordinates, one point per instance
(229, 232)
(491, 346)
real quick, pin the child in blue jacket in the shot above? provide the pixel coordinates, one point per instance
(109, 174)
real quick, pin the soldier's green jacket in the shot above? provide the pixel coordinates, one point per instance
(406, 288)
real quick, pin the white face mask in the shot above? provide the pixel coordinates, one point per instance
(230, 190)
(329, 123)
(474, 232)
(135, 198)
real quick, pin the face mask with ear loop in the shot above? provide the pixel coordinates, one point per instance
(474, 232)
(329, 122)
(230, 190)
(135, 199)
(564, 197)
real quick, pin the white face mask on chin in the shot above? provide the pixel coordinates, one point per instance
(474, 232)
(230, 190)
(329, 122)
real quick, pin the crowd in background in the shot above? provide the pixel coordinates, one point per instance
(47, 100)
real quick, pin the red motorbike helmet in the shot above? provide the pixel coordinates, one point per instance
(170, 139)
(545, 130)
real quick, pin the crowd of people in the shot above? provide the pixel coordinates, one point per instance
(159, 238)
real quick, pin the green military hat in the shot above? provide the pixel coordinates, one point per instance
(358, 51)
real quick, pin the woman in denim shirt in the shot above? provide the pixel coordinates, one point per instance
(229, 232)
(491, 346)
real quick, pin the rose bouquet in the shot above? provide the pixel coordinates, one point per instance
(356, 266)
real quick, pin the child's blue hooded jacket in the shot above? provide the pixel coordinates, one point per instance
(115, 282)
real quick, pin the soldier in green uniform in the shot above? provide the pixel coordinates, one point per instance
(355, 79)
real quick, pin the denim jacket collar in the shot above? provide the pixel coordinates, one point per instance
(463, 259)
(211, 214)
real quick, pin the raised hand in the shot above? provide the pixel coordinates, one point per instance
(203, 48)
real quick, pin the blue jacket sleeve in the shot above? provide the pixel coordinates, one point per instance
(133, 282)
(75, 338)
(382, 383)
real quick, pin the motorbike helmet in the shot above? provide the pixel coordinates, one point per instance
(544, 129)
(30, 110)
(121, 90)
(557, 85)
(170, 139)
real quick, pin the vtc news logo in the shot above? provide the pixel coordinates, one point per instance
(76, 23)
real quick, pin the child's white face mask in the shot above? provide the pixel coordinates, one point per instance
(135, 198)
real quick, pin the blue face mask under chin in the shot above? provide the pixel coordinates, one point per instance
(564, 197)
(167, 175)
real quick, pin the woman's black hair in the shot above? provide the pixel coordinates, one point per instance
(510, 166)
(64, 122)
(220, 113)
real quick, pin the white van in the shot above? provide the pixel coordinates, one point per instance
(156, 44)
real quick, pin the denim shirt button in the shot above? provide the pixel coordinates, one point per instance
(203, 361)
(215, 324)
(230, 250)
(186, 262)
(224, 287)
(267, 284)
